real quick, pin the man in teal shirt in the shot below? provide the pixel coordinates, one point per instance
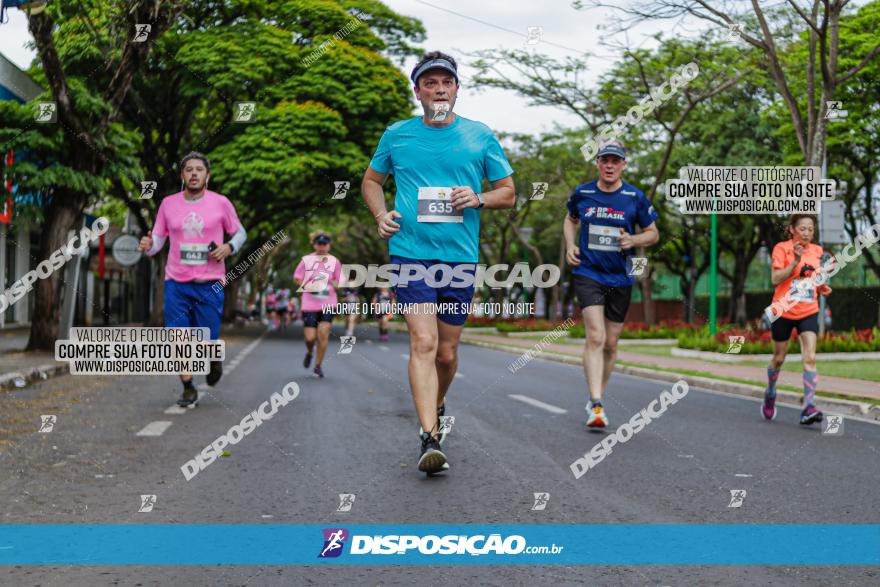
(438, 161)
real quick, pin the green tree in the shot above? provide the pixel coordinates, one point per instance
(78, 158)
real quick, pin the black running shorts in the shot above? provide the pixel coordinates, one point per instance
(590, 292)
(311, 319)
(782, 327)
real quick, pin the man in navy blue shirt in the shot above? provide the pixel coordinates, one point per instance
(609, 213)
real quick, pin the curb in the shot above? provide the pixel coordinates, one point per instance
(786, 398)
(739, 358)
(39, 373)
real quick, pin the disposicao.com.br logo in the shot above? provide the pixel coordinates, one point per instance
(334, 540)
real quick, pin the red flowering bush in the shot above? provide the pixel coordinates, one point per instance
(761, 342)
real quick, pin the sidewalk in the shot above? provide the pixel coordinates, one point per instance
(856, 389)
(18, 368)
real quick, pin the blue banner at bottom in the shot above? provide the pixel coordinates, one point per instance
(277, 544)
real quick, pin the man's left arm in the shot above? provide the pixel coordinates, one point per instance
(647, 237)
(503, 192)
(502, 195)
(648, 234)
(231, 225)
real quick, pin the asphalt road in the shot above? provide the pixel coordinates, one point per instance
(355, 432)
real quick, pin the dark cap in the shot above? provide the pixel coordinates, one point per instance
(322, 239)
(434, 64)
(612, 148)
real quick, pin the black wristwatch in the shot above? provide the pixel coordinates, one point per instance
(482, 201)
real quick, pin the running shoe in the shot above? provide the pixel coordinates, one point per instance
(432, 459)
(215, 373)
(319, 372)
(383, 338)
(768, 408)
(190, 396)
(810, 415)
(307, 361)
(597, 417)
(441, 411)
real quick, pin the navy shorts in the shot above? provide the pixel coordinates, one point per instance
(193, 305)
(440, 286)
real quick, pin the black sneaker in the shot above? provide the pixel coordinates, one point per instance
(441, 435)
(307, 361)
(190, 397)
(215, 373)
(319, 372)
(432, 459)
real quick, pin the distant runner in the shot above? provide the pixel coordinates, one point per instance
(351, 300)
(383, 300)
(794, 262)
(317, 277)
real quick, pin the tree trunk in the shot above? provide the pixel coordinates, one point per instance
(157, 313)
(647, 301)
(691, 298)
(230, 300)
(554, 297)
(61, 217)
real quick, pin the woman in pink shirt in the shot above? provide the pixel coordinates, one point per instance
(317, 277)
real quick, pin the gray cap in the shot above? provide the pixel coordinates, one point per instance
(433, 64)
(612, 148)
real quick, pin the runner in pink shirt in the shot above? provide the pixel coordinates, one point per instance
(195, 222)
(317, 277)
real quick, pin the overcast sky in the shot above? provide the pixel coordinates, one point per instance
(464, 26)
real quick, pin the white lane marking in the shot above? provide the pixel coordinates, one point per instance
(459, 376)
(405, 356)
(538, 404)
(175, 410)
(741, 475)
(155, 428)
(383, 347)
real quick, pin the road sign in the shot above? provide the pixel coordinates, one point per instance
(125, 250)
(831, 226)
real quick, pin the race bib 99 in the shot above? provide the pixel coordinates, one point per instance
(193, 254)
(604, 238)
(435, 205)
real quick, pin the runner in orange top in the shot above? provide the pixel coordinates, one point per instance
(796, 297)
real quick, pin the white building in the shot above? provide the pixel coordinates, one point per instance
(18, 239)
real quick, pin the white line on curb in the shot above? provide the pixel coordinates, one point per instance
(538, 404)
(175, 410)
